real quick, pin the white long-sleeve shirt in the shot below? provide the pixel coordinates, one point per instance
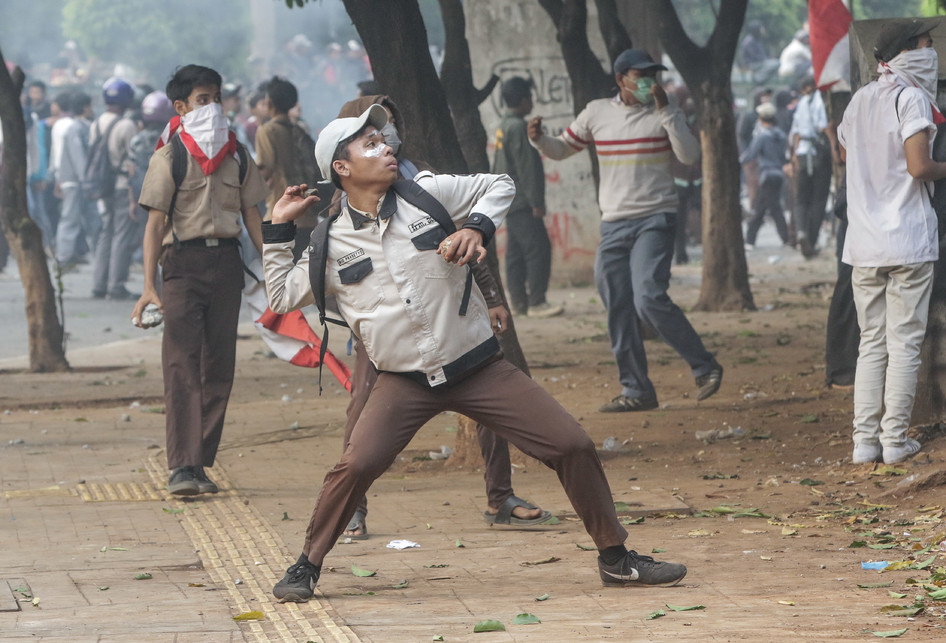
(392, 288)
(634, 144)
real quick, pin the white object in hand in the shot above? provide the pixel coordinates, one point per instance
(151, 316)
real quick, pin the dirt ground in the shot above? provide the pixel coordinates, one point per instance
(774, 524)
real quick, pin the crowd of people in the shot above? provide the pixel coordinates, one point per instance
(180, 175)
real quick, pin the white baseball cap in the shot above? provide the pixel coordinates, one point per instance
(340, 129)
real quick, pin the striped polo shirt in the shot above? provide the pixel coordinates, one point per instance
(634, 145)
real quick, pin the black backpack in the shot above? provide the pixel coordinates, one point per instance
(318, 253)
(304, 169)
(98, 180)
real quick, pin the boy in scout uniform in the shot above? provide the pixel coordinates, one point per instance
(193, 227)
(398, 277)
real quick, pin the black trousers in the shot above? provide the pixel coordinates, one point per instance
(843, 332)
(811, 195)
(768, 201)
(528, 260)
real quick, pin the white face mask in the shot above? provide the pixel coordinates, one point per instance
(209, 128)
(918, 67)
(389, 132)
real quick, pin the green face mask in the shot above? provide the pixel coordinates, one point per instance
(642, 93)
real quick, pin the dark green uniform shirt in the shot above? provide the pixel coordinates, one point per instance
(517, 158)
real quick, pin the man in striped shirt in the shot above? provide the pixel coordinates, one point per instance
(635, 135)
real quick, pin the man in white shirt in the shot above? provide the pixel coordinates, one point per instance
(811, 163)
(886, 136)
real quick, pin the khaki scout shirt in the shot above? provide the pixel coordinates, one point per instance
(396, 293)
(207, 207)
(275, 151)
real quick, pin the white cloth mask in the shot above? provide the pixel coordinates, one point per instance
(209, 128)
(916, 67)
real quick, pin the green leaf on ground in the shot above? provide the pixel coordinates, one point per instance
(621, 506)
(900, 610)
(436, 565)
(585, 547)
(552, 520)
(172, 511)
(857, 543)
(888, 470)
(255, 615)
(489, 626)
(632, 521)
(362, 573)
(437, 638)
(103, 588)
(808, 418)
(808, 482)
(526, 619)
(404, 583)
(723, 509)
(285, 516)
(926, 563)
(720, 476)
(657, 550)
(145, 576)
(890, 634)
(459, 545)
(874, 585)
(688, 608)
(655, 614)
(544, 597)
(883, 546)
(938, 595)
(894, 594)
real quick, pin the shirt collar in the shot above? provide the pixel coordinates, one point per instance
(388, 208)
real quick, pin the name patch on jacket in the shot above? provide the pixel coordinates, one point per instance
(421, 223)
(351, 256)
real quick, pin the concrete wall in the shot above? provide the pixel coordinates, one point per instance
(517, 38)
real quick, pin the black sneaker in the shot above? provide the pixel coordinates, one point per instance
(708, 384)
(623, 403)
(205, 484)
(183, 482)
(299, 582)
(635, 569)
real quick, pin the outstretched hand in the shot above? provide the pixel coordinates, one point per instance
(535, 129)
(293, 204)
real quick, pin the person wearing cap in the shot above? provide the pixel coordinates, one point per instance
(811, 156)
(528, 249)
(398, 279)
(767, 149)
(886, 138)
(634, 135)
(193, 230)
(121, 230)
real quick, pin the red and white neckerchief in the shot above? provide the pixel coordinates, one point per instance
(206, 136)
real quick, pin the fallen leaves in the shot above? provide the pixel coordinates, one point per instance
(360, 572)
(255, 615)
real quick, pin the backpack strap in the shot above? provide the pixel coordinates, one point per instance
(241, 157)
(417, 196)
(178, 172)
(318, 255)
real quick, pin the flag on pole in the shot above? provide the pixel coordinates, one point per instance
(829, 21)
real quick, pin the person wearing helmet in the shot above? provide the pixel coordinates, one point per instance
(156, 111)
(121, 229)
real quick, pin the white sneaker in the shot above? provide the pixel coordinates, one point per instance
(545, 310)
(910, 448)
(866, 453)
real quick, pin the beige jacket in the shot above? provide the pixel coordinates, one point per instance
(396, 293)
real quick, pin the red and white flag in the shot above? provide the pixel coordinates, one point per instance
(290, 336)
(829, 21)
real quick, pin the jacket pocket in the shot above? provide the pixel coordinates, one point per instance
(356, 272)
(429, 239)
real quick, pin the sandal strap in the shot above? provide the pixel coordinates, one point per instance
(504, 515)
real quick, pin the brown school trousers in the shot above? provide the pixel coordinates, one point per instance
(201, 292)
(499, 396)
(495, 450)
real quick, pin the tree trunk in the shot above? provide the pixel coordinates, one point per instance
(24, 237)
(706, 71)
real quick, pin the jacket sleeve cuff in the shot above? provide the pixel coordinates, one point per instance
(278, 232)
(482, 224)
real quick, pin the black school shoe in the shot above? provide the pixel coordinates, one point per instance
(708, 384)
(205, 484)
(635, 569)
(299, 582)
(183, 482)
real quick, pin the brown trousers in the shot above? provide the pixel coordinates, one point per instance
(495, 450)
(201, 291)
(501, 397)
